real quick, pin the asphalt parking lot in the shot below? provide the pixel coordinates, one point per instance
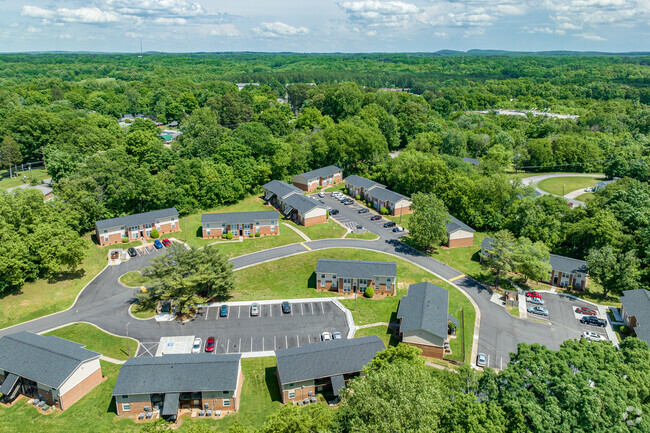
(562, 324)
(271, 330)
(349, 217)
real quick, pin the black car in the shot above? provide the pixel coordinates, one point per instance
(286, 307)
(364, 210)
(593, 320)
(389, 224)
(132, 252)
(375, 217)
(334, 212)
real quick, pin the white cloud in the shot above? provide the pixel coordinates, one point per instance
(380, 13)
(180, 8)
(590, 37)
(36, 12)
(440, 34)
(88, 16)
(546, 30)
(371, 33)
(133, 35)
(32, 29)
(228, 30)
(277, 29)
(170, 21)
(65, 36)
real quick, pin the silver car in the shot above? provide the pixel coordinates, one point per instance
(536, 301)
(336, 335)
(255, 309)
(481, 360)
(538, 310)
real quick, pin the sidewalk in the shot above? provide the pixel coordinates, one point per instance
(302, 235)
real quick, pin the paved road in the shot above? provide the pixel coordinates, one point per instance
(570, 197)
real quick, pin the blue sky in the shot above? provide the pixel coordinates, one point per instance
(324, 25)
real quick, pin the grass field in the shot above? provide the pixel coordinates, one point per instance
(133, 279)
(293, 277)
(47, 296)
(571, 183)
(96, 411)
(585, 197)
(326, 230)
(370, 236)
(6, 182)
(97, 340)
(401, 221)
(383, 332)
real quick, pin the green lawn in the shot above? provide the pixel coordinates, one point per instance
(133, 279)
(47, 296)
(383, 332)
(367, 236)
(6, 182)
(570, 183)
(400, 220)
(585, 197)
(97, 340)
(96, 411)
(146, 313)
(326, 230)
(293, 277)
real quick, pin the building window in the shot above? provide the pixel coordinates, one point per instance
(207, 231)
(247, 226)
(126, 407)
(105, 238)
(207, 225)
(173, 218)
(173, 225)
(322, 283)
(257, 229)
(272, 222)
(292, 394)
(334, 277)
(257, 223)
(322, 276)
(579, 275)
(272, 228)
(105, 231)
(226, 402)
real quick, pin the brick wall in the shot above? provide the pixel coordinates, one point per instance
(463, 242)
(114, 238)
(302, 186)
(69, 398)
(402, 211)
(137, 407)
(315, 220)
(429, 351)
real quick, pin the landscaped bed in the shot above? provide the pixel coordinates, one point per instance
(133, 279)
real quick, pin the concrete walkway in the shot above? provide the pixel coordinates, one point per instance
(302, 235)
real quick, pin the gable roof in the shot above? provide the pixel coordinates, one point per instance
(455, 224)
(178, 373)
(239, 217)
(637, 303)
(356, 268)
(426, 308)
(330, 170)
(302, 203)
(281, 189)
(384, 194)
(136, 219)
(47, 360)
(361, 182)
(472, 161)
(326, 358)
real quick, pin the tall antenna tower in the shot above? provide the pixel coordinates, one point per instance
(140, 49)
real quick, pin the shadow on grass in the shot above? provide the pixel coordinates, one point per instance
(199, 232)
(112, 407)
(311, 282)
(65, 276)
(272, 384)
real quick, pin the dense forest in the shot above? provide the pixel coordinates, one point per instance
(313, 110)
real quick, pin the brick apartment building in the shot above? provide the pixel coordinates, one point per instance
(323, 177)
(240, 224)
(354, 276)
(290, 200)
(378, 195)
(111, 231)
(49, 369)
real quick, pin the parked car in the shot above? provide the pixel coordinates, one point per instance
(593, 320)
(166, 242)
(390, 224)
(336, 335)
(537, 301)
(209, 344)
(334, 212)
(398, 229)
(255, 309)
(533, 295)
(286, 307)
(157, 244)
(321, 194)
(223, 311)
(335, 194)
(592, 336)
(132, 252)
(196, 347)
(326, 336)
(481, 360)
(375, 217)
(538, 310)
(347, 202)
(321, 201)
(586, 311)
(364, 210)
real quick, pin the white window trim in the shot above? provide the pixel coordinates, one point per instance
(226, 402)
(126, 407)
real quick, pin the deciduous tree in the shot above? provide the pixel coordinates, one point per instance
(427, 226)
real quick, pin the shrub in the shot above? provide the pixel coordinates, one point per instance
(125, 240)
(369, 293)
(345, 191)
(319, 187)
(154, 234)
(229, 235)
(384, 211)
(624, 329)
(35, 181)
(358, 197)
(252, 235)
(257, 235)
(223, 236)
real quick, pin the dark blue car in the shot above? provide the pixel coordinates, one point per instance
(157, 244)
(223, 311)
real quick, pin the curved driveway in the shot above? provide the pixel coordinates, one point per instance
(104, 302)
(569, 196)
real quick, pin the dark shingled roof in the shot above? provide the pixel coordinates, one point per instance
(356, 268)
(558, 263)
(637, 303)
(424, 308)
(302, 203)
(472, 161)
(178, 373)
(384, 194)
(456, 224)
(281, 189)
(47, 360)
(361, 182)
(239, 217)
(324, 172)
(326, 358)
(137, 219)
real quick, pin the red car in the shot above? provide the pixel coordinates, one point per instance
(533, 295)
(167, 242)
(209, 344)
(586, 311)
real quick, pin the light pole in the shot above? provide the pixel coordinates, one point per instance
(128, 348)
(563, 185)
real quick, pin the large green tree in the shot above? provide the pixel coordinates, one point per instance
(615, 271)
(531, 259)
(428, 224)
(9, 152)
(501, 256)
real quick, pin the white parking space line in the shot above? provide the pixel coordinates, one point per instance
(309, 338)
(302, 313)
(298, 339)
(311, 304)
(271, 310)
(228, 346)
(262, 344)
(292, 311)
(322, 309)
(488, 360)
(251, 344)
(239, 346)
(207, 310)
(238, 311)
(275, 345)
(286, 341)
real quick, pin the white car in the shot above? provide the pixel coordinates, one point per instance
(481, 360)
(592, 336)
(196, 347)
(321, 194)
(326, 336)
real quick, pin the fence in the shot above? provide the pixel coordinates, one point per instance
(23, 167)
